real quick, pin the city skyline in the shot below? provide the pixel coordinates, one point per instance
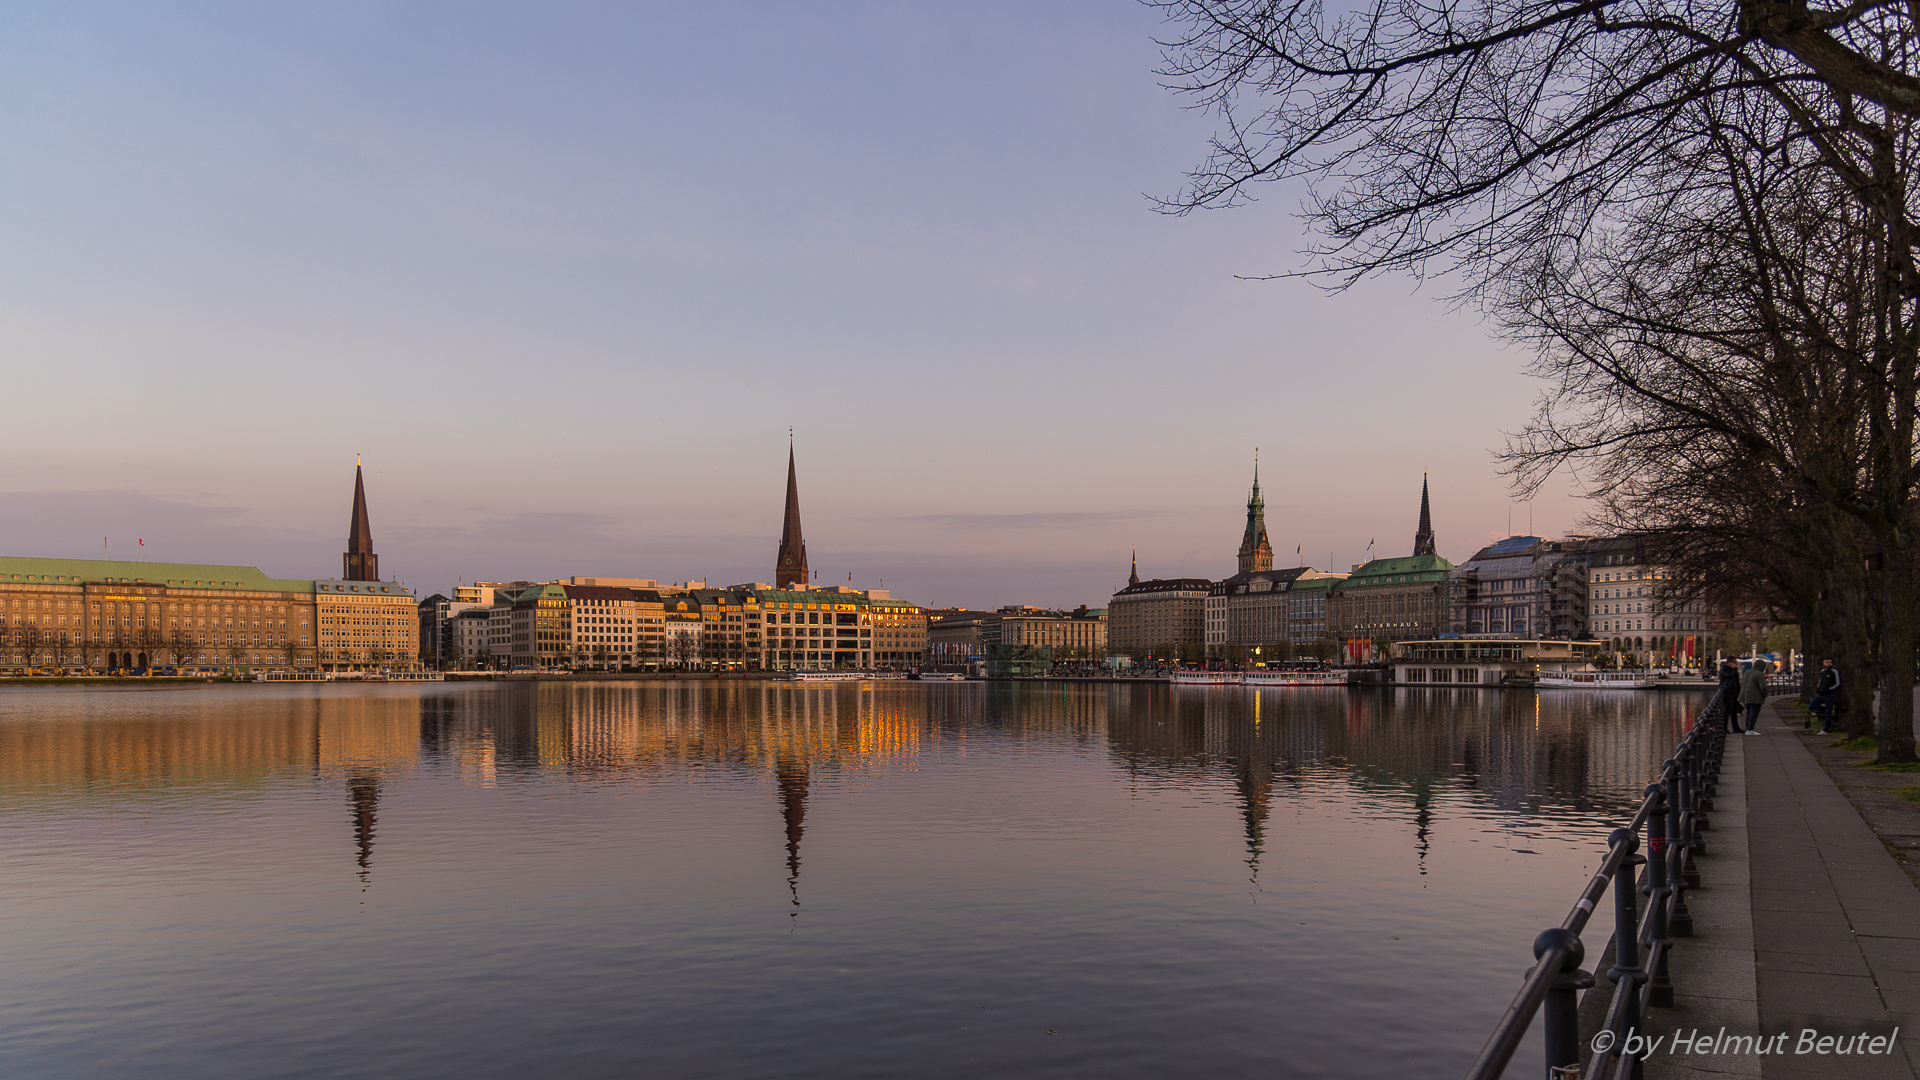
(569, 311)
(279, 546)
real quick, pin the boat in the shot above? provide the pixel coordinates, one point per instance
(1261, 679)
(1598, 680)
(827, 676)
(943, 676)
(1204, 678)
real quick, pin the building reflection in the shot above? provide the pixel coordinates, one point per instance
(792, 776)
(1401, 754)
(364, 793)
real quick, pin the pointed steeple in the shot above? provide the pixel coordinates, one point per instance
(1255, 552)
(359, 563)
(790, 568)
(1423, 540)
(1134, 577)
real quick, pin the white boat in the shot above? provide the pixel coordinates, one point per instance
(1293, 678)
(827, 676)
(942, 676)
(1598, 680)
(1204, 678)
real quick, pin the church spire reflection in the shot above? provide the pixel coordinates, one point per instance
(791, 774)
(363, 792)
(1255, 784)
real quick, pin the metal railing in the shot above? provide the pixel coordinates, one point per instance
(1673, 814)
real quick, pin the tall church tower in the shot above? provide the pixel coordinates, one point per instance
(1423, 540)
(790, 569)
(359, 563)
(1255, 552)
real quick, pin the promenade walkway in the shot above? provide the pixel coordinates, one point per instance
(1804, 921)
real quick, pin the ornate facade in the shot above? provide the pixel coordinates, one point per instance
(1256, 553)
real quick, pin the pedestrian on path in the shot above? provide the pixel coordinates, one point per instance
(1826, 695)
(1753, 693)
(1730, 693)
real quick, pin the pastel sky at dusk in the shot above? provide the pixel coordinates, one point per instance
(566, 274)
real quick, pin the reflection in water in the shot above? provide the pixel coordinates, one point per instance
(365, 795)
(793, 806)
(987, 864)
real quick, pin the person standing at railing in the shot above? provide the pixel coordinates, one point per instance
(1826, 697)
(1753, 693)
(1730, 693)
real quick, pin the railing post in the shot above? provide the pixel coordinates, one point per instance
(1684, 825)
(1626, 939)
(1563, 1003)
(1658, 890)
(1702, 781)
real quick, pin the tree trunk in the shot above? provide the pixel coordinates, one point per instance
(1895, 659)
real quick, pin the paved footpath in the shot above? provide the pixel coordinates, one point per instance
(1831, 937)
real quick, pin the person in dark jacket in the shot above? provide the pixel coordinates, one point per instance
(1730, 693)
(1753, 693)
(1826, 695)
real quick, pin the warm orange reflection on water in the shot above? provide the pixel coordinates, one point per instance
(772, 879)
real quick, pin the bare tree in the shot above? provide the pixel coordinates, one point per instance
(1563, 158)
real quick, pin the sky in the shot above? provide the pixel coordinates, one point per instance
(565, 276)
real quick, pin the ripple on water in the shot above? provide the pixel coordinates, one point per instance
(694, 879)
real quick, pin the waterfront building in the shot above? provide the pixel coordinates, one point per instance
(1164, 618)
(537, 627)
(1392, 599)
(500, 630)
(365, 624)
(1077, 634)
(723, 614)
(899, 630)
(1484, 662)
(1523, 586)
(1638, 607)
(469, 633)
(817, 628)
(1250, 611)
(437, 613)
(132, 615)
(1307, 614)
(480, 592)
(137, 615)
(604, 626)
(790, 566)
(954, 635)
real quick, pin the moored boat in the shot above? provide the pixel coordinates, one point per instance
(1204, 678)
(1597, 680)
(1261, 679)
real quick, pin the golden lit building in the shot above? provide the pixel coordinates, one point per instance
(130, 616)
(366, 625)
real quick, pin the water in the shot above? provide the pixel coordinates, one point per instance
(736, 879)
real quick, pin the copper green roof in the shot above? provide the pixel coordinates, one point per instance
(1406, 567)
(1317, 583)
(176, 575)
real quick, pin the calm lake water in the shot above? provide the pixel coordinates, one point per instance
(748, 879)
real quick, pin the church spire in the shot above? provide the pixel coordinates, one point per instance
(359, 563)
(790, 568)
(1255, 552)
(1423, 540)
(1134, 577)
